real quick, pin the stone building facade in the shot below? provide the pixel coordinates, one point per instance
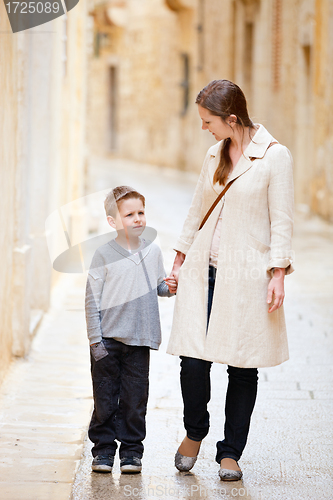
(151, 57)
(42, 161)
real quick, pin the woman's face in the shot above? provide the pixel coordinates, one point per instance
(215, 124)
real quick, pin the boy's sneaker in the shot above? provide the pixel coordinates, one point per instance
(102, 463)
(130, 465)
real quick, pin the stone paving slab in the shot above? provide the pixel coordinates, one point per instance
(45, 403)
(34, 489)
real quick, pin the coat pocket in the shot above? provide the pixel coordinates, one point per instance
(256, 244)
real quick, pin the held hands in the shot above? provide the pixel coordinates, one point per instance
(172, 284)
(276, 289)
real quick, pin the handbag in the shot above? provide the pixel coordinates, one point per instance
(220, 196)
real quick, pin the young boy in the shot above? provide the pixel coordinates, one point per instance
(123, 324)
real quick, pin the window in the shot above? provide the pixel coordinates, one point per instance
(276, 46)
(113, 102)
(185, 84)
(248, 56)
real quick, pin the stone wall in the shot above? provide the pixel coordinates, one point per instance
(8, 122)
(162, 52)
(42, 158)
(322, 173)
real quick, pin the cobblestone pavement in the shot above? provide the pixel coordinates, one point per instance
(46, 399)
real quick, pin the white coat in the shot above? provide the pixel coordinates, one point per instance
(256, 231)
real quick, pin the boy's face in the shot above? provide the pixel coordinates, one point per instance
(130, 217)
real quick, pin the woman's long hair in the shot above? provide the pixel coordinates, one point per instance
(224, 98)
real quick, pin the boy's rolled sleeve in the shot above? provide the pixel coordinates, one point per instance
(163, 290)
(162, 287)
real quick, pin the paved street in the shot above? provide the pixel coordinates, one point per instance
(46, 399)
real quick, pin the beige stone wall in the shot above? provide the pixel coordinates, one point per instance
(149, 53)
(148, 56)
(42, 158)
(9, 86)
(278, 51)
(322, 178)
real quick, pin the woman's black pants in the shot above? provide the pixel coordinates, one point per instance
(239, 404)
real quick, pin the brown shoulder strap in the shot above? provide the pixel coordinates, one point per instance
(220, 196)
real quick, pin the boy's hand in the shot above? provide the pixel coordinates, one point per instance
(172, 284)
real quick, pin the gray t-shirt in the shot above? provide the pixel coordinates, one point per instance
(121, 294)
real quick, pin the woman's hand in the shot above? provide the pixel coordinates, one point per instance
(173, 278)
(276, 288)
(172, 284)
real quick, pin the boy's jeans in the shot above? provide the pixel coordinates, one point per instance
(240, 399)
(120, 387)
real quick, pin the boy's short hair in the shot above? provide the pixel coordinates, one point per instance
(119, 194)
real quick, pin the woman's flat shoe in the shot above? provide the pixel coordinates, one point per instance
(230, 475)
(184, 464)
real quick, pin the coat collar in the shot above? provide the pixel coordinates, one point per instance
(256, 149)
(259, 144)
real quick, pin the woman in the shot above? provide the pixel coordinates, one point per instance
(230, 273)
